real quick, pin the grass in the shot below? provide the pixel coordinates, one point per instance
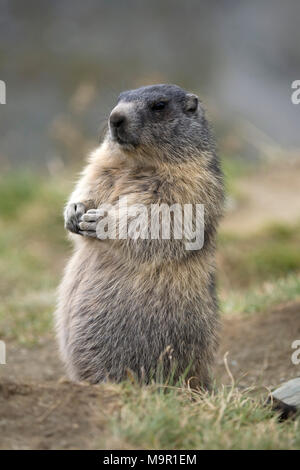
(269, 255)
(234, 169)
(30, 317)
(33, 248)
(152, 418)
(260, 298)
(17, 190)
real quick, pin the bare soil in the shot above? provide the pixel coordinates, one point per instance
(51, 415)
(259, 347)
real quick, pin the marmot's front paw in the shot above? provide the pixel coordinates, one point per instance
(73, 215)
(88, 224)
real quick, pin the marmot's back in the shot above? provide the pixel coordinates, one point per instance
(141, 302)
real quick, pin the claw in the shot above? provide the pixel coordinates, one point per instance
(73, 215)
(88, 234)
(90, 217)
(89, 226)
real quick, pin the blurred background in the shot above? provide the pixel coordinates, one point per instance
(64, 63)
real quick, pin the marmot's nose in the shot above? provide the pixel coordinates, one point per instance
(117, 119)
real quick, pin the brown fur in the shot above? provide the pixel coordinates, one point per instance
(139, 304)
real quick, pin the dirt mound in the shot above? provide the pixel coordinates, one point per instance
(260, 347)
(52, 416)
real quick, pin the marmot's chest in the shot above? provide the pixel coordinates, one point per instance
(113, 184)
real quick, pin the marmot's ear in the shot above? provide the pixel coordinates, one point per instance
(191, 103)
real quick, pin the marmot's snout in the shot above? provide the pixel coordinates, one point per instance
(117, 121)
(121, 123)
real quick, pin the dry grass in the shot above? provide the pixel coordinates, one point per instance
(177, 418)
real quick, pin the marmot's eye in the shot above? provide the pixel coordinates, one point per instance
(158, 105)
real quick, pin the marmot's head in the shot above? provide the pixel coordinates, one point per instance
(159, 119)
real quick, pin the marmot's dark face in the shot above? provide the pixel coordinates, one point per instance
(157, 117)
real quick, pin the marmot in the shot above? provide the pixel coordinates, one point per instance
(143, 305)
